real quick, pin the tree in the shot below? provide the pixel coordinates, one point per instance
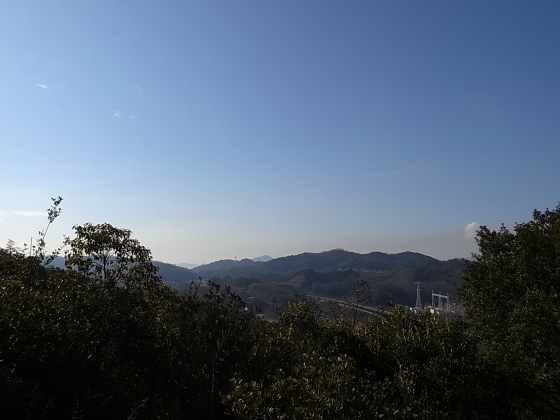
(106, 339)
(39, 250)
(361, 296)
(512, 293)
(110, 254)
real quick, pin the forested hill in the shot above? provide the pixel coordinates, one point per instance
(330, 273)
(328, 261)
(334, 274)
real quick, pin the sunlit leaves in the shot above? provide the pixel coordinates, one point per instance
(110, 254)
(512, 291)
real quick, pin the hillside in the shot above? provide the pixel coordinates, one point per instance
(331, 273)
(334, 273)
(336, 259)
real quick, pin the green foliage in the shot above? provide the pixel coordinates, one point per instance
(110, 254)
(361, 296)
(105, 338)
(316, 388)
(432, 368)
(402, 366)
(40, 248)
(512, 292)
(295, 372)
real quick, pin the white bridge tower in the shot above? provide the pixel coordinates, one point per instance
(440, 302)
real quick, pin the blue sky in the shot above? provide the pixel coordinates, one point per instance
(222, 129)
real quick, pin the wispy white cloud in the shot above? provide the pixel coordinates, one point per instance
(470, 230)
(138, 88)
(42, 86)
(29, 213)
(119, 114)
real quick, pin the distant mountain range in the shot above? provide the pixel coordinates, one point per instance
(330, 273)
(334, 273)
(328, 261)
(262, 258)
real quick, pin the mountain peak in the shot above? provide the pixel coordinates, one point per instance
(262, 258)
